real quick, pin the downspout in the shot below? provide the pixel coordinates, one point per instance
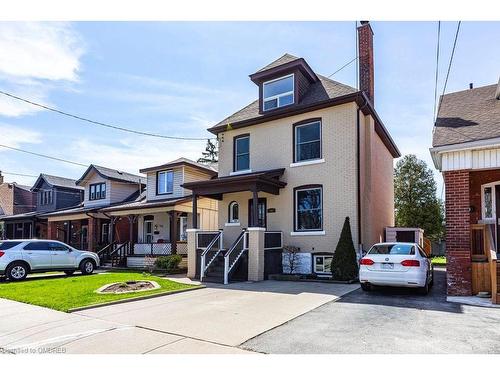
(358, 161)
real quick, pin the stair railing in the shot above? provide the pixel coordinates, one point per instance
(119, 253)
(103, 254)
(218, 239)
(229, 259)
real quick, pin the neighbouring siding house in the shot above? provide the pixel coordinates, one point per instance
(296, 162)
(164, 213)
(466, 149)
(50, 193)
(84, 226)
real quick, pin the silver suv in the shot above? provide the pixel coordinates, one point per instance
(18, 258)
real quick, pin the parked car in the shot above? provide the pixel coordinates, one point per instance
(396, 264)
(18, 258)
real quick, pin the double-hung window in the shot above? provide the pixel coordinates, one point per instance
(278, 92)
(242, 153)
(97, 191)
(165, 183)
(307, 141)
(309, 209)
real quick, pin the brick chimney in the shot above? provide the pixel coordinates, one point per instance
(366, 66)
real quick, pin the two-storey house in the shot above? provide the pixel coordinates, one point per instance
(84, 226)
(164, 212)
(293, 164)
(50, 193)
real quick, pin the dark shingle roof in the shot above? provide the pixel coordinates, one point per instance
(286, 58)
(113, 174)
(466, 116)
(58, 181)
(319, 91)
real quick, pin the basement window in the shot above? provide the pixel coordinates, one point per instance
(322, 264)
(278, 92)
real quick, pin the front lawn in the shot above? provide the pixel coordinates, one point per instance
(438, 261)
(77, 291)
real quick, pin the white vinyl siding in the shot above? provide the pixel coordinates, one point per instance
(116, 191)
(470, 159)
(178, 191)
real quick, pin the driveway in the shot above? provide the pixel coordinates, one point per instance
(387, 321)
(216, 319)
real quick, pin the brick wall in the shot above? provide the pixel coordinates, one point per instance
(459, 275)
(478, 178)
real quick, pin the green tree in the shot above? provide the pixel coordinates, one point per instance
(344, 263)
(415, 197)
(211, 153)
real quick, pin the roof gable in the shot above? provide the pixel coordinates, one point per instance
(55, 181)
(110, 174)
(181, 162)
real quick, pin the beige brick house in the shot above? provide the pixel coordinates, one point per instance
(293, 164)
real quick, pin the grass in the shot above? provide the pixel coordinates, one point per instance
(439, 261)
(77, 291)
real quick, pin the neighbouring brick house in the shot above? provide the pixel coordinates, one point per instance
(50, 193)
(466, 149)
(15, 199)
(293, 164)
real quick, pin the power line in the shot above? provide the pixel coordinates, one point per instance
(343, 66)
(44, 156)
(437, 70)
(115, 127)
(450, 63)
(17, 174)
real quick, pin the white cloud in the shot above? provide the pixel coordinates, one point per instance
(13, 136)
(34, 57)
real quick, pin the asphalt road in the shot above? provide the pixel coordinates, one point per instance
(387, 320)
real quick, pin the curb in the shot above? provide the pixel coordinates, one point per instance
(133, 299)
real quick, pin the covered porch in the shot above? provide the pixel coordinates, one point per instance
(245, 247)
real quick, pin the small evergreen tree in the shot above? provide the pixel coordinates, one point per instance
(344, 263)
(211, 153)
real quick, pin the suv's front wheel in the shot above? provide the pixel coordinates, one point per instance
(87, 266)
(17, 271)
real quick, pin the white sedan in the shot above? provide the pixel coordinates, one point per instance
(396, 264)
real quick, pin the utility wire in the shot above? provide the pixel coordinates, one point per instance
(343, 66)
(17, 174)
(44, 156)
(450, 63)
(115, 127)
(437, 70)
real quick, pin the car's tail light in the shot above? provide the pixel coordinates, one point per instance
(410, 263)
(2, 253)
(366, 262)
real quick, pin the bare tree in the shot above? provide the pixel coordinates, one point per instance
(292, 258)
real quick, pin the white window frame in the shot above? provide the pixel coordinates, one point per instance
(183, 220)
(493, 201)
(296, 138)
(314, 264)
(277, 97)
(231, 219)
(165, 173)
(320, 231)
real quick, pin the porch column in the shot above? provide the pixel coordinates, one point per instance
(91, 234)
(131, 221)
(52, 230)
(458, 246)
(173, 230)
(255, 209)
(112, 222)
(191, 252)
(256, 253)
(195, 211)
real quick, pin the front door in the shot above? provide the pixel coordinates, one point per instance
(148, 231)
(262, 212)
(497, 219)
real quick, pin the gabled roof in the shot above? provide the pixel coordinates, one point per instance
(56, 181)
(467, 116)
(111, 174)
(181, 162)
(284, 64)
(323, 90)
(286, 58)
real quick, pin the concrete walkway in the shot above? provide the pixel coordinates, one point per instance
(212, 320)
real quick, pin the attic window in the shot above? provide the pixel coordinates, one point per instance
(278, 92)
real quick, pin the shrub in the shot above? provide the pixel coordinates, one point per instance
(168, 263)
(344, 264)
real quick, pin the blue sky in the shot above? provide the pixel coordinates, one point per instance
(179, 78)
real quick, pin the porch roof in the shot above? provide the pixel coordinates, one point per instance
(266, 181)
(143, 204)
(24, 216)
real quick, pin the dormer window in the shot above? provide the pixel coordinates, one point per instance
(278, 92)
(165, 182)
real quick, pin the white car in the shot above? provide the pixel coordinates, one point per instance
(18, 258)
(396, 264)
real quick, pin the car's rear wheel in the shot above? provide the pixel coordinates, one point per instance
(17, 271)
(425, 289)
(87, 266)
(69, 273)
(366, 287)
(432, 279)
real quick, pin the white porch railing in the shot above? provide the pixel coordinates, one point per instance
(234, 253)
(211, 243)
